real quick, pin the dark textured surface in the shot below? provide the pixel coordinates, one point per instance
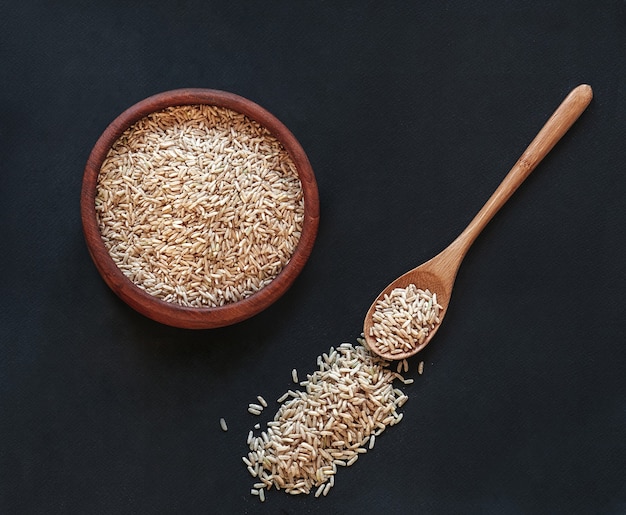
(411, 116)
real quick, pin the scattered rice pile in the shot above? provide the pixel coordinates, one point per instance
(345, 404)
(199, 205)
(403, 319)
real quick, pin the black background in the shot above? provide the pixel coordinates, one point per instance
(411, 114)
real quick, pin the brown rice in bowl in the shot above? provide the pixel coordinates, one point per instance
(199, 208)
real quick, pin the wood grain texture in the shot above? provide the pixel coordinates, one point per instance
(174, 314)
(439, 273)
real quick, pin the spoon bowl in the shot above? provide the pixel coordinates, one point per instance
(424, 277)
(438, 274)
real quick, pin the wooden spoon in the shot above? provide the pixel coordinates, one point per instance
(438, 274)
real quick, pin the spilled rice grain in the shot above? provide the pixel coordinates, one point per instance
(344, 405)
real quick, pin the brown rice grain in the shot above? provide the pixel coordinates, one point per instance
(402, 320)
(199, 205)
(343, 405)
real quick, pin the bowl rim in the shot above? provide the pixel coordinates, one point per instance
(167, 312)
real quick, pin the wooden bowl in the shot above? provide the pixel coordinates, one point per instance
(171, 313)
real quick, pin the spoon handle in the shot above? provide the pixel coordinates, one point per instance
(553, 130)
